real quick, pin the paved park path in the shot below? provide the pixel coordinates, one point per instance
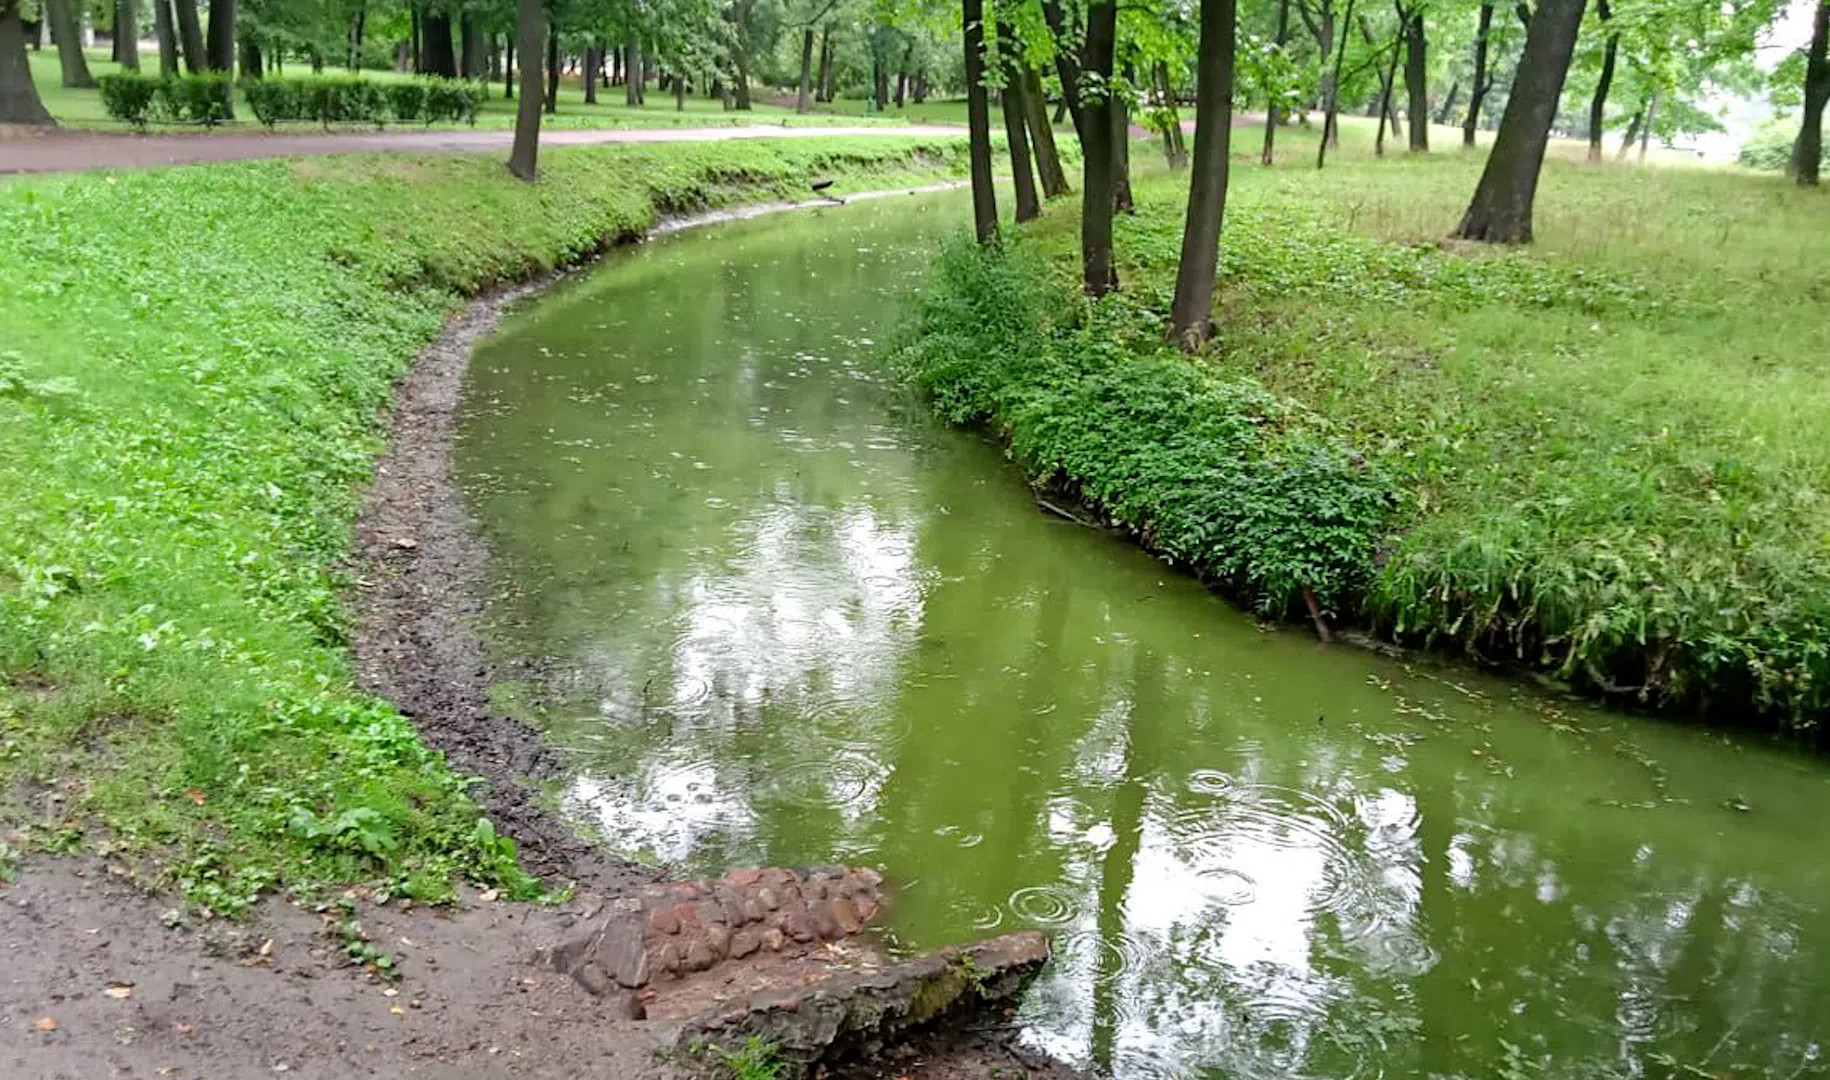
(66, 151)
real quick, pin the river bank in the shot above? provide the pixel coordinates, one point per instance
(1589, 459)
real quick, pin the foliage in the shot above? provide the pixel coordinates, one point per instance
(756, 1059)
(137, 99)
(1770, 146)
(334, 100)
(1248, 489)
(196, 360)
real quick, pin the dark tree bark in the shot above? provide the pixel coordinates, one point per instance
(1099, 159)
(632, 63)
(590, 74)
(19, 100)
(414, 23)
(69, 39)
(1482, 81)
(1384, 107)
(437, 57)
(902, 88)
(1416, 80)
(1191, 313)
(552, 71)
(508, 68)
(1447, 108)
(1273, 114)
(530, 26)
(251, 59)
(1016, 137)
(740, 91)
(1121, 150)
(1174, 153)
(978, 122)
(190, 36)
(1067, 66)
(473, 60)
(1331, 97)
(679, 93)
(1599, 103)
(168, 37)
(1042, 135)
(881, 91)
(804, 100)
(1501, 209)
(358, 27)
(826, 87)
(1645, 129)
(1808, 149)
(127, 34)
(1626, 141)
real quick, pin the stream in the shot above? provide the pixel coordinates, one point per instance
(778, 615)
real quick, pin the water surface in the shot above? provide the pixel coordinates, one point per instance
(780, 616)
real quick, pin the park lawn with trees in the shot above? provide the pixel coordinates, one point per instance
(193, 363)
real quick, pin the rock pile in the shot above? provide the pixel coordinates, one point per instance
(671, 931)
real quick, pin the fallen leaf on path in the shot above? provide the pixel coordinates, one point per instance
(405, 543)
(45, 1023)
(397, 1010)
(197, 796)
(487, 895)
(119, 991)
(266, 948)
(185, 1029)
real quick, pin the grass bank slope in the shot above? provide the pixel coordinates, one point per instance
(193, 363)
(1608, 456)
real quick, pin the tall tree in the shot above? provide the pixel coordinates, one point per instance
(220, 54)
(1016, 138)
(1319, 18)
(1273, 114)
(437, 55)
(978, 122)
(1416, 76)
(1808, 150)
(69, 38)
(190, 36)
(167, 35)
(1483, 80)
(552, 70)
(633, 77)
(530, 26)
(1500, 211)
(1099, 158)
(1042, 134)
(127, 33)
(803, 100)
(1191, 313)
(1067, 65)
(1331, 96)
(19, 100)
(1598, 104)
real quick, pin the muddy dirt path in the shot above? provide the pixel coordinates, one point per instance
(72, 151)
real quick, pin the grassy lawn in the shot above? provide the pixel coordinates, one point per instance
(1607, 456)
(193, 362)
(83, 108)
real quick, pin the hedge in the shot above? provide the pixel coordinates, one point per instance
(206, 98)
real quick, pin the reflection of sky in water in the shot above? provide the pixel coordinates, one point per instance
(788, 623)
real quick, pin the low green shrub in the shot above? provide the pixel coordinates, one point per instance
(1770, 146)
(129, 96)
(1246, 488)
(406, 99)
(206, 98)
(453, 99)
(273, 100)
(350, 100)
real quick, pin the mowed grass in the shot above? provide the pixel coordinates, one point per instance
(83, 108)
(1612, 447)
(193, 364)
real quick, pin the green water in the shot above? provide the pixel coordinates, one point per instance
(779, 616)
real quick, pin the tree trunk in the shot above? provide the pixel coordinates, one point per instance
(978, 122)
(473, 63)
(69, 39)
(1384, 108)
(1645, 129)
(357, 27)
(530, 26)
(1501, 209)
(1447, 108)
(679, 93)
(826, 86)
(1273, 113)
(127, 34)
(552, 71)
(1808, 149)
(1599, 103)
(741, 91)
(1416, 81)
(804, 100)
(902, 89)
(190, 36)
(168, 37)
(437, 57)
(632, 66)
(251, 66)
(508, 67)
(1331, 97)
(1626, 141)
(1066, 66)
(1099, 159)
(1478, 92)
(1121, 150)
(19, 100)
(413, 41)
(1035, 116)
(1191, 313)
(881, 91)
(1016, 141)
(590, 74)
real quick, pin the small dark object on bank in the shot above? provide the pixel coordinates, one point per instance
(819, 188)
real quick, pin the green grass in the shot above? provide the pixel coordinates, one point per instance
(83, 108)
(1611, 450)
(192, 367)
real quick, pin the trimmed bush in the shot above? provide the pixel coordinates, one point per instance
(129, 96)
(453, 99)
(348, 99)
(207, 98)
(406, 100)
